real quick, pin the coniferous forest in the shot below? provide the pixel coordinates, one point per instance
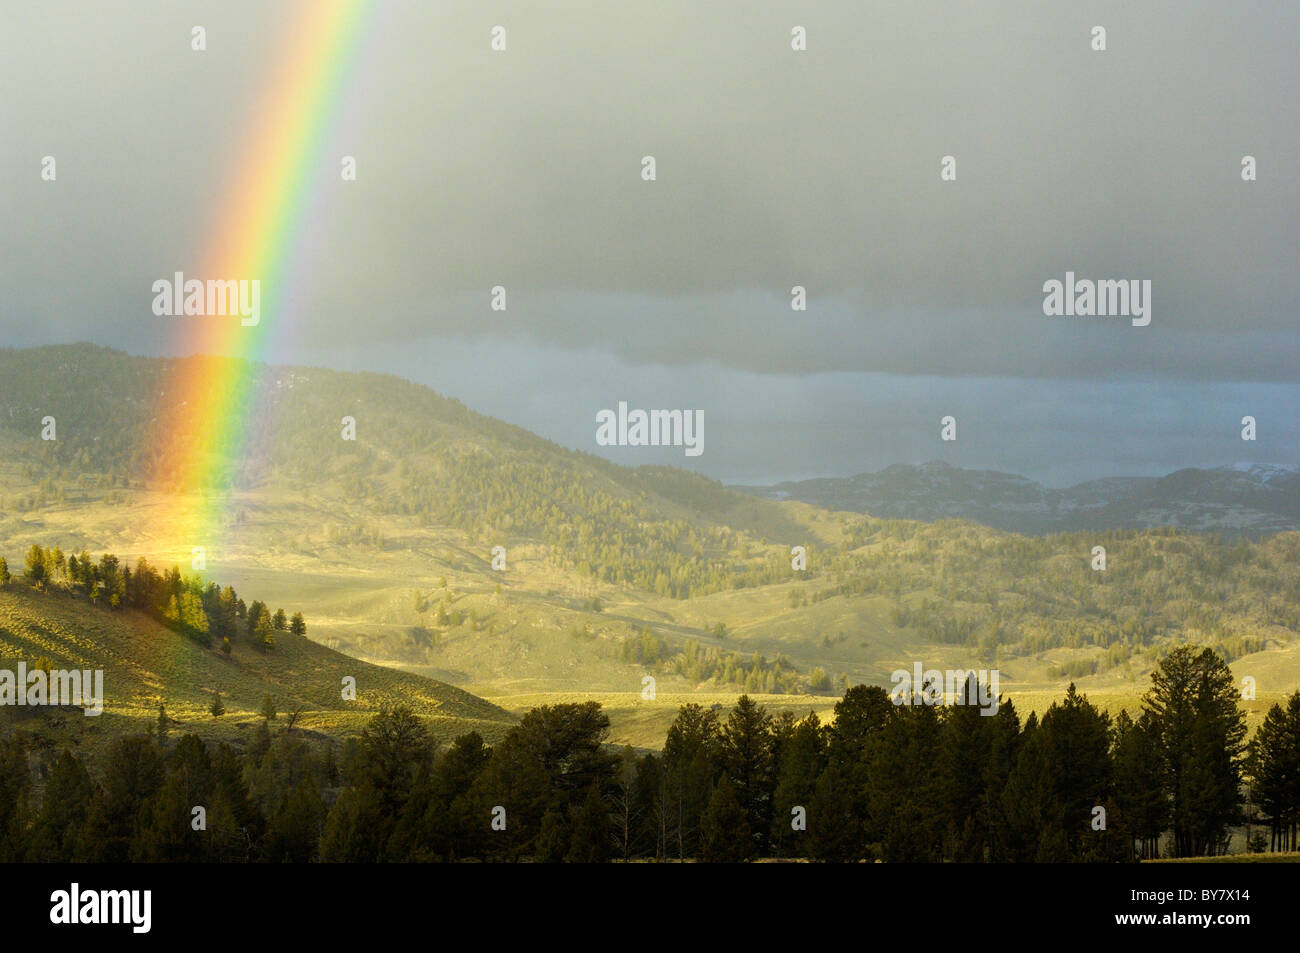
(884, 781)
(206, 612)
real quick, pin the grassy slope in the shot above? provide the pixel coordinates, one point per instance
(146, 664)
(365, 601)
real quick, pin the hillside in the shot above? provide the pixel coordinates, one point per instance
(146, 664)
(416, 454)
(612, 573)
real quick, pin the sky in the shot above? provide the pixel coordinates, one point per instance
(774, 168)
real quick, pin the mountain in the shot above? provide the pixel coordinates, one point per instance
(1250, 500)
(416, 454)
(386, 541)
(610, 575)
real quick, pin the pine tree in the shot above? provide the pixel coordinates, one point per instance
(15, 784)
(1196, 712)
(294, 830)
(1076, 745)
(260, 743)
(905, 810)
(650, 795)
(964, 750)
(69, 794)
(1028, 804)
(264, 633)
(356, 829)
(460, 829)
(235, 822)
(590, 840)
(725, 836)
(1274, 768)
(802, 757)
(397, 745)
(552, 843)
(268, 708)
(749, 761)
(217, 709)
(254, 615)
(36, 572)
(296, 624)
(1140, 784)
(4, 572)
(134, 773)
(691, 760)
(859, 716)
(834, 829)
(1004, 748)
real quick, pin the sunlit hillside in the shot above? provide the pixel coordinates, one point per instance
(146, 665)
(610, 574)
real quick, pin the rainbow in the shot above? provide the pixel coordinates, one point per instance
(208, 404)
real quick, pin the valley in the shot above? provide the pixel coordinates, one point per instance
(613, 573)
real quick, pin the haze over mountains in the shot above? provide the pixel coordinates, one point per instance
(1245, 499)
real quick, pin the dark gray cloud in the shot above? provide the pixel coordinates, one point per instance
(775, 168)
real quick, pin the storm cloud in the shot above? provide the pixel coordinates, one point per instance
(775, 168)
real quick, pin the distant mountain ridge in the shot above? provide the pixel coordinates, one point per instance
(1245, 499)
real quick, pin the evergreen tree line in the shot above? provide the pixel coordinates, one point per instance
(898, 783)
(205, 612)
(906, 783)
(709, 663)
